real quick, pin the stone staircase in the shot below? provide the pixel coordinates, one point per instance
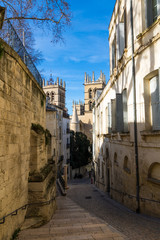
(71, 222)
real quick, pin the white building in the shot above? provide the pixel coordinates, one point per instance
(126, 147)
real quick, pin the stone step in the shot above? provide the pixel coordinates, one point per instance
(71, 222)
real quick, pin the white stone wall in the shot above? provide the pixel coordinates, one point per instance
(120, 145)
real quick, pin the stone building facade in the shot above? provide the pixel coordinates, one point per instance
(59, 126)
(84, 110)
(130, 172)
(26, 171)
(55, 91)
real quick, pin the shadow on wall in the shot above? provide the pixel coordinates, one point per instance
(115, 169)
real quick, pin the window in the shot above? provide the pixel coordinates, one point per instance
(155, 104)
(126, 165)
(152, 100)
(119, 112)
(113, 114)
(114, 54)
(90, 106)
(125, 110)
(152, 11)
(90, 93)
(59, 133)
(106, 120)
(101, 123)
(52, 96)
(109, 118)
(121, 36)
(154, 172)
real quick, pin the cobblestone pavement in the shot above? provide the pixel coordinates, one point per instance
(71, 222)
(134, 226)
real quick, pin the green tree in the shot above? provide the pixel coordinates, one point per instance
(80, 150)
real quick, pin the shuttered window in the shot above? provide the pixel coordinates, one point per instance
(120, 39)
(119, 113)
(155, 102)
(121, 36)
(109, 118)
(152, 11)
(113, 54)
(113, 114)
(125, 110)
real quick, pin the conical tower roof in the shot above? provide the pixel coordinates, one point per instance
(75, 119)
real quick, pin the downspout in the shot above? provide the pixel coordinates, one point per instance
(135, 112)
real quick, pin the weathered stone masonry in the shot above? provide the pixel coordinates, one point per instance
(25, 174)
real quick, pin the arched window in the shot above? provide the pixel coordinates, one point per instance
(90, 106)
(47, 98)
(126, 165)
(90, 93)
(115, 159)
(52, 96)
(154, 172)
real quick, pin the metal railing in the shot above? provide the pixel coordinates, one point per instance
(10, 36)
(132, 196)
(24, 207)
(61, 181)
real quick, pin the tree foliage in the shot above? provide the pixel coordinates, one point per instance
(80, 150)
(52, 15)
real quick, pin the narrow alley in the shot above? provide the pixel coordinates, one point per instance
(87, 213)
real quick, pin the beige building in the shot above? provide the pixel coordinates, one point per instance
(58, 121)
(84, 110)
(126, 146)
(27, 172)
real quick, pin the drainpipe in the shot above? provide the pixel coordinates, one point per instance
(135, 112)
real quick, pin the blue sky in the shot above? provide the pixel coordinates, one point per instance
(85, 48)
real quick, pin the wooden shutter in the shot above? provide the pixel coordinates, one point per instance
(109, 118)
(117, 42)
(155, 104)
(149, 13)
(125, 110)
(113, 54)
(113, 113)
(121, 39)
(119, 113)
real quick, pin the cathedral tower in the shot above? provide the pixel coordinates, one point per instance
(55, 91)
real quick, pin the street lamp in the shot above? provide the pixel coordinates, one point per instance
(2, 13)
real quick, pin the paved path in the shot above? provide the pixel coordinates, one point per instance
(134, 226)
(71, 222)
